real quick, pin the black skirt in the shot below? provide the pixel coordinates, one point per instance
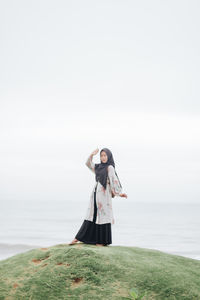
(92, 233)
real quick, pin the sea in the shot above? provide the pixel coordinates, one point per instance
(169, 227)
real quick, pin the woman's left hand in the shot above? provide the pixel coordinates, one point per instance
(123, 195)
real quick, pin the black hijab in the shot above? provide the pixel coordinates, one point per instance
(101, 170)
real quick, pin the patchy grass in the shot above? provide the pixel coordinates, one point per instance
(89, 272)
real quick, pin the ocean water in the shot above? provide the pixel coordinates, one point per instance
(170, 227)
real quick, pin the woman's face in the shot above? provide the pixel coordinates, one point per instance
(103, 157)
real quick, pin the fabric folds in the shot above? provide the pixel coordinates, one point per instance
(92, 233)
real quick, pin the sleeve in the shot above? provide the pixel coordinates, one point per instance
(114, 182)
(89, 163)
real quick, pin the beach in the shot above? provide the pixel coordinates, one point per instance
(170, 227)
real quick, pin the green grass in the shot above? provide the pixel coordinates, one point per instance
(89, 272)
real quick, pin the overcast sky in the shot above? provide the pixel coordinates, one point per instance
(77, 75)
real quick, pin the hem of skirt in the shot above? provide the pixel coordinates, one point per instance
(91, 243)
(94, 233)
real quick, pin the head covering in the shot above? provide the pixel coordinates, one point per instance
(101, 170)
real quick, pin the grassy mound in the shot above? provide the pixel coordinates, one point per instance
(90, 272)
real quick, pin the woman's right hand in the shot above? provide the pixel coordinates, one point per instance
(95, 152)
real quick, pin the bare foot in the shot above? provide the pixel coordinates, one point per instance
(99, 244)
(73, 242)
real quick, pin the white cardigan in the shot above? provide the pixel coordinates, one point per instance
(103, 196)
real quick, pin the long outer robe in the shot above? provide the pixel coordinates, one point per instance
(103, 196)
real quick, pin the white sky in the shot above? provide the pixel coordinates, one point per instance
(76, 75)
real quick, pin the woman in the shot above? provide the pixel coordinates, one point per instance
(96, 227)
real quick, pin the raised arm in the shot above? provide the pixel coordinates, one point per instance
(114, 182)
(89, 163)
